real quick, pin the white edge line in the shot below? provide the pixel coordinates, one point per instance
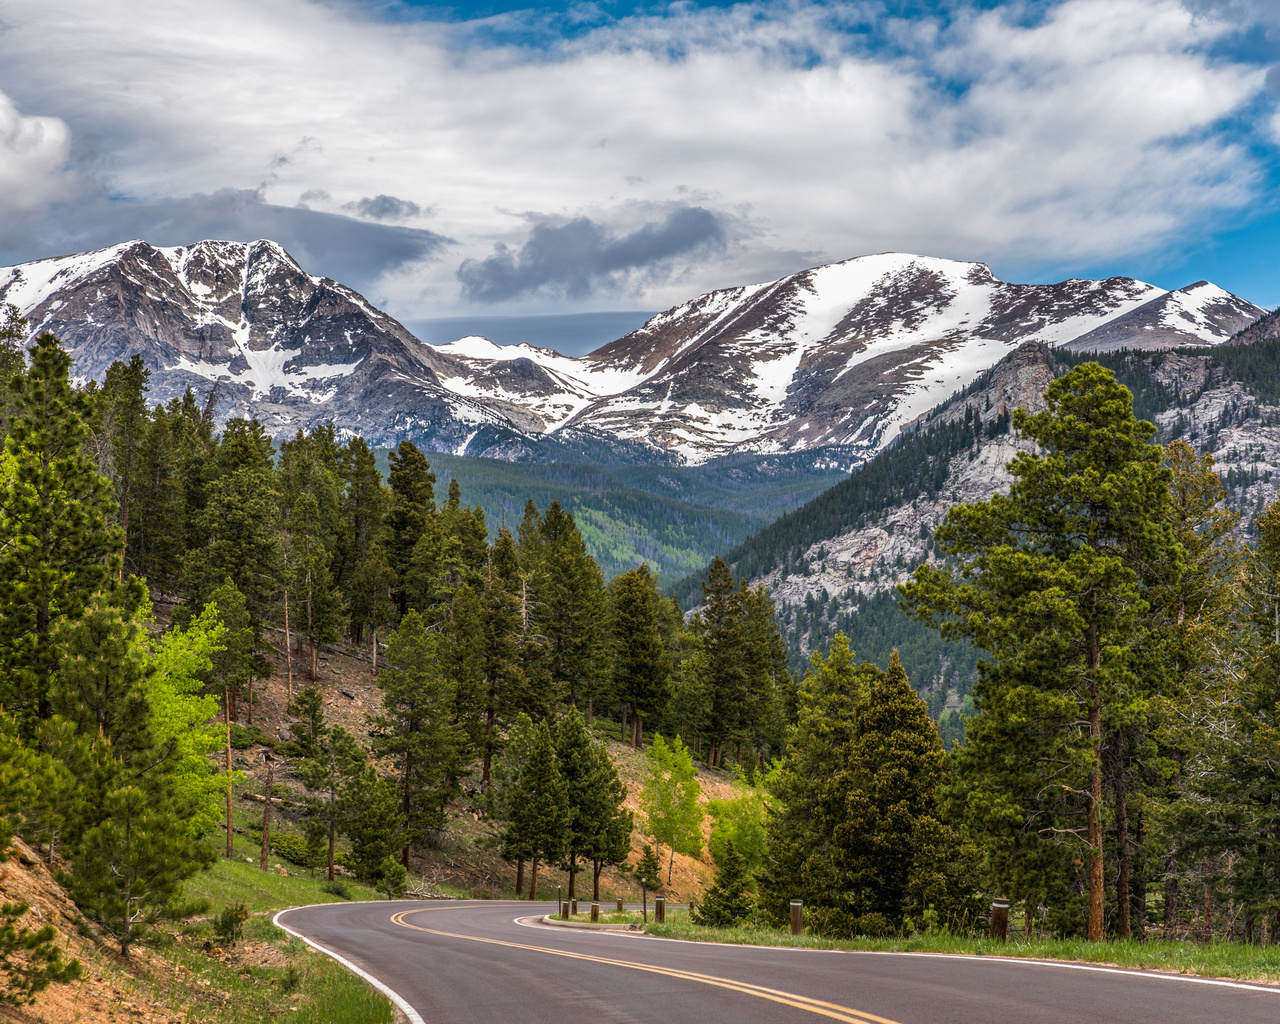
(993, 959)
(386, 990)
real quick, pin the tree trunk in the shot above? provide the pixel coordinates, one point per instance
(288, 657)
(533, 880)
(595, 880)
(266, 819)
(488, 750)
(1123, 896)
(226, 714)
(250, 690)
(332, 837)
(519, 875)
(1208, 902)
(591, 711)
(375, 650)
(622, 735)
(1097, 879)
(1170, 897)
(671, 863)
(573, 875)
(311, 632)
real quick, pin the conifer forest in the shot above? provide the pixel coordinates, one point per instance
(1116, 776)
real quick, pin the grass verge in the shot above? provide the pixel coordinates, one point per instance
(1218, 960)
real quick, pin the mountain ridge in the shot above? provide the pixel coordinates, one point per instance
(843, 356)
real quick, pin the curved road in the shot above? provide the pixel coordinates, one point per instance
(458, 963)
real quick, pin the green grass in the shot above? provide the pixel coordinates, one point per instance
(1218, 960)
(301, 985)
(232, 882)
(674, 916)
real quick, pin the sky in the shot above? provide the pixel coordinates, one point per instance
(498, 159)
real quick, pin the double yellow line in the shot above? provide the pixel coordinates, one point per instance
(832, 1010)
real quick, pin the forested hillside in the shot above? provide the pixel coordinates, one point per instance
(672, 518)
(494, 647)
(832, 564)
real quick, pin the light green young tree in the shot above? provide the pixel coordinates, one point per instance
(669, 799)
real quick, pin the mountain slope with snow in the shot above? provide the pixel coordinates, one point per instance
(837, 358)
(280, 344)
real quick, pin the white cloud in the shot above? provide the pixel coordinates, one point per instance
(33, 154)
(1092, 133)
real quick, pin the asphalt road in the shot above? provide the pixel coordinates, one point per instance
(459, 963)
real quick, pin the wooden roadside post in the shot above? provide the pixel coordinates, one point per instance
(1000, 920)
(659, 909)
(619, 904)
(595, 913)
(797, 917)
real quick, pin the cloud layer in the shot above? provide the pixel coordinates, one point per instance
(639, 161)
(578, 258)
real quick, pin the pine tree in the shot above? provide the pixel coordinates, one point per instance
(311, 583)
(881, 808)
(586, 795)
(241, 660)
(310, 464)
(335, 761)
(13, 329)
(373, 821)
(412, 505)
(610, 839)
(728, 901)
(647, 867)
(505, 684)
(727, 660)
(239, 522)
(372, 597)
(364, 510)
(102, 682)
(501, 799)
(540, 809)
(641, 665)
(158, 520)
(126, 422)
(799, 853)
(569, 609)
(57, 545)
(1050, 583)
(311, 728)
(417, 730)
(129, 869)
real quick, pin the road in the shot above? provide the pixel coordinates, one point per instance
(489, 963)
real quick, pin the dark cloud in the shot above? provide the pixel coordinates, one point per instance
(384, 207)
(352, 251)
(581, 257)
(1273, 80)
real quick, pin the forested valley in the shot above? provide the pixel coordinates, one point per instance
(1116, 779)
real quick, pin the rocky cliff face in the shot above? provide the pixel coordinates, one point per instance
(1205, 406)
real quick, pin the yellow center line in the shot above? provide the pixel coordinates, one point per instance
(833, 1010)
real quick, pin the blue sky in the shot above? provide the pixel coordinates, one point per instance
(496, 159)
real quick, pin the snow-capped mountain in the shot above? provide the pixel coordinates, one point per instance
(1199, 314)
(282, 345)
(844, 355)
(841, 355)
